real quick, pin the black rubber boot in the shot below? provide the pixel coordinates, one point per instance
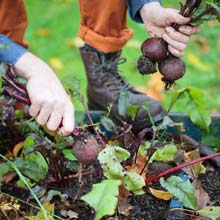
(105, 86)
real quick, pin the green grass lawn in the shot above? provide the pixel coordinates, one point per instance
(52, 29)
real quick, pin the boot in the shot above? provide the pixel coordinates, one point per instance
(105, 86)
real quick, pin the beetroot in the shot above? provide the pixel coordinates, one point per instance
(146, 66)
(85, 147)
(155, 49)
(172, 69)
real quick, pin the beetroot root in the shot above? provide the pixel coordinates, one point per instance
(155, 49)
(172, 69)
(85, 147)
(146, 66)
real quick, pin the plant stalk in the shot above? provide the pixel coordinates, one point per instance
(174, 169)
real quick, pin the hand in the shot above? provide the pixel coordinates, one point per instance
(158, 22)
(50, 104)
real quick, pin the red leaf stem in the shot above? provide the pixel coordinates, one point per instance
(174, 169)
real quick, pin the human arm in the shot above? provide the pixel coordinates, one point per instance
(50, 104)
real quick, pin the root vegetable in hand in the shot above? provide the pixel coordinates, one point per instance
(146, 66)
(172, 69)
(155, 50)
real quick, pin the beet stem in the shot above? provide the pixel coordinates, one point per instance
(174, 169)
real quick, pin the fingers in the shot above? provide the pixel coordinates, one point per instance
(53, 114)
(179, 19)
(175, 52)
(189, 30)
(176, 41)
(44, 114)
(172, 16)
(68, 120)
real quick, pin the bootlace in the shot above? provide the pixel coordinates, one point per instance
(109, 74)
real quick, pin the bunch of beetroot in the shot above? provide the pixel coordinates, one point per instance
(155, 50)
(155, 53)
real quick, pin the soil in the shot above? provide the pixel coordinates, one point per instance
(145, 207)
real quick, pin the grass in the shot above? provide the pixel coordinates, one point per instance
(53, 26)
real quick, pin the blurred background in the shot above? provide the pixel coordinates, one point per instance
(51, 35)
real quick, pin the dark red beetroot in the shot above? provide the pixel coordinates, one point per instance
(172, 69)
(155, 49)
(146, 66)
(85, 147)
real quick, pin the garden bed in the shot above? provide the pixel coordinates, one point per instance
(77, 180)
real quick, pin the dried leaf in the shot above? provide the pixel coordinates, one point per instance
(42, 32)
(69, 214)
(195, 169)
(197, 62)
(75, 42)
(201, 195)
(56, 63)
(161, 194)
(154, 87)
(123, 206)
(17, 148)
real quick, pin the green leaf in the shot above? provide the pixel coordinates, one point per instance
(165, 154)
(181, 189)
(53, 193)
(211, 212)
(134, 182)
(110, 159)
(4, 169)
(121, 153)
(110, 163)
(143, 148)
(196, 106)
(108, 124)
(103, 197)
(68, 154)
(133, 110)
(196, 109)
(34, 166)
(29, 142)
(123, 103)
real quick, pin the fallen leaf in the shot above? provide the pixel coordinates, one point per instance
(212, 212)
(196, 61)
(123, 206)
(154, 87)
(56, 63)
(69, 214)
(75, 42)
(8, 177)
(11, 205)
(42, 32)
(201, 195)
(138, 166)
(17, 148)
(195, 169)
(161, 194)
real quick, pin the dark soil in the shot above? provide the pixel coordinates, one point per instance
(145, 207)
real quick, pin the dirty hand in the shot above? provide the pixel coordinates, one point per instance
(158, 22)
(50, 104)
